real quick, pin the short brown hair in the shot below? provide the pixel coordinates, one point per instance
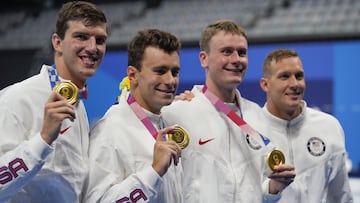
(83, 11)
(220, 25)
(154, 38)
(276, 55)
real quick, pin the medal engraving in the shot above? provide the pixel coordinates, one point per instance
(68, 90)
(275, 158)
(180, 136)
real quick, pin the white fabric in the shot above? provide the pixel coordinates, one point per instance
(355, 188)
(51, 174)
(121, 154)
(227, 168)
(321, 174)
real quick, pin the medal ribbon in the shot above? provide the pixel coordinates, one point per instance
(53, 76)
(54, 79)
(142, 116)
(221, 106)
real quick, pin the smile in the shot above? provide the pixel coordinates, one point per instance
(234, 70)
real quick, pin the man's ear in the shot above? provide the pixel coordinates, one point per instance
(264, 84)
(56, 42)
(203, 59)
(132, 75)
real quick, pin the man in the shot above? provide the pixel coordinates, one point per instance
(224, 163)
(311, 140)
(44, 138)
(129, 159)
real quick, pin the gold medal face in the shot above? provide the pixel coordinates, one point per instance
(275, 158)
(68, 90)
(180, 136)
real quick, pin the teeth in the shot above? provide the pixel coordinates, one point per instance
(89, 59)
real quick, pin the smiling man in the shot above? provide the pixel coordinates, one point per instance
(223, 163)
(45, 137)
(311, 140)
(129, 159)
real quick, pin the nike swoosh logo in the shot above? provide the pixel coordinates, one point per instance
(64, 130)
(202, 142)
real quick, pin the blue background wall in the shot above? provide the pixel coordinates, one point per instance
(331, 69)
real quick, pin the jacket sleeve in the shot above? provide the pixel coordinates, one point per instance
(21, 157)
(339, 186)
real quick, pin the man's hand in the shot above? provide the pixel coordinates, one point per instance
(281, 177)
(185, 96)
(57, 108)
(165, 152)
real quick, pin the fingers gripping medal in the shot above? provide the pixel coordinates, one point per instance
(275, 158)
(68, 90)
(180, 136)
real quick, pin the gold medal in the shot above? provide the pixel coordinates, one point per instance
(275, 158)
(180, 136)
(68, 90)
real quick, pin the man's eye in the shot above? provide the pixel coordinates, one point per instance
(81, 37)
(227, 51)
(100, 40)
(284, 76)
(161, 71)
(242, 52)
(300, 76)
(175, 73)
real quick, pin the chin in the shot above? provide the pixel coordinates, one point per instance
(167, 102)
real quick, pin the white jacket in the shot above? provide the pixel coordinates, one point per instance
(121, 154)
(221, 164)
(31, 170)
(314, 143)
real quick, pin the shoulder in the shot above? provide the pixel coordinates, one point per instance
(116, 114)
(250, 107)
(194, 103)
(318, 115)
(250, 104)
(102, 131)
(27, 94)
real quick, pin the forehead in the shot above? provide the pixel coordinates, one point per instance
(287, 64)
(154, 57)
(80, 26)
(228, 39)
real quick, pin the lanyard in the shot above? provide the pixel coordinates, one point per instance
(142, 116)
(221, 106)
(54, 79)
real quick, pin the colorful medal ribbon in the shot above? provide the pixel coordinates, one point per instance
(221, 106)
(142, 116)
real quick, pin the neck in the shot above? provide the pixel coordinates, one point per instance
(285, 115)
(143, 104)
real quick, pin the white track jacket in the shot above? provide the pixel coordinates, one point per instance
(121, 154)
(314, 143)
(221, 163)
(31, 170)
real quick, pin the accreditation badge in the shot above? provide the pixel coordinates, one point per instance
(180, 136)
(68, 90)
